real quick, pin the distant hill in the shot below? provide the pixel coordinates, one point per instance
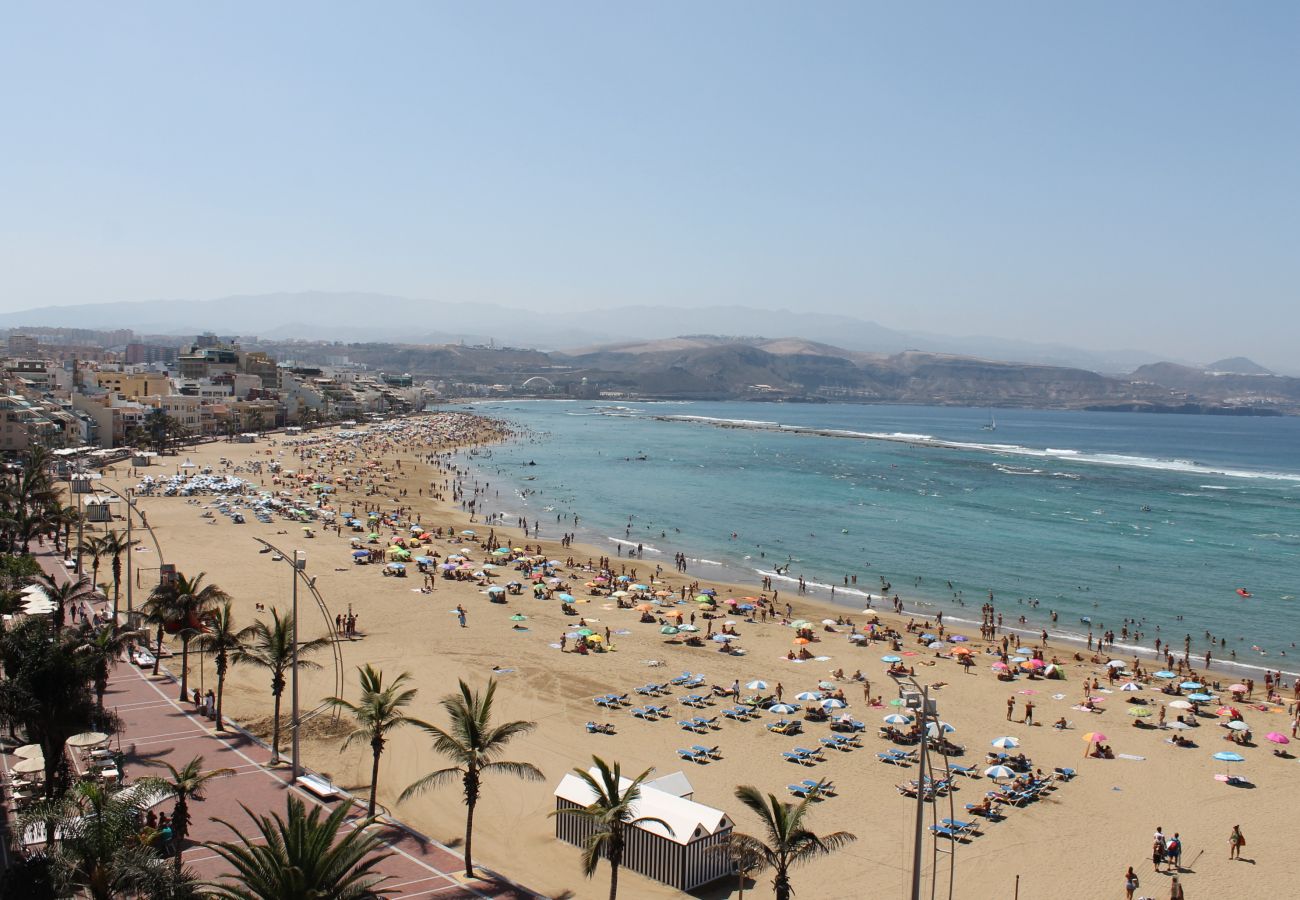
(1238, 365)
(362, 316)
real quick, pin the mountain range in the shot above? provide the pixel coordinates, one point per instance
(359, 316)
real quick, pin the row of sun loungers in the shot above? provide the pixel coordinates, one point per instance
(813, 790)
(698, 753)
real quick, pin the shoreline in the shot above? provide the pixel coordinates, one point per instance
(741, 574)
(405, 629)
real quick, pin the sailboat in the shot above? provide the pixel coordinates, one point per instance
(992, 425)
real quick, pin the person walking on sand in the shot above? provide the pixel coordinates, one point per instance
(1029, 712)
(1236, 841)
(1011, 707)
(1130, 883)
(460, 615)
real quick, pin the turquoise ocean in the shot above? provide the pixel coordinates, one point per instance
(1097, 516)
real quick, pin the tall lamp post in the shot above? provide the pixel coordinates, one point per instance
(923, 715)
(299, 564)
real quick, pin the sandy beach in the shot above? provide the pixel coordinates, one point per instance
(1076, 841)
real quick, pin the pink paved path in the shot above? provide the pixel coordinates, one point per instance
(155, 727)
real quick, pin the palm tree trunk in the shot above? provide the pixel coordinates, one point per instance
(117, 587)
(782, 885)
(185, 663)
(613, 880)
(374, 781)
(221, 688)
(157, 657)
(275, 731)
(469, 839)
(180, 828)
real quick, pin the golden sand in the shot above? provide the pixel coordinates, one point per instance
(1075, 842)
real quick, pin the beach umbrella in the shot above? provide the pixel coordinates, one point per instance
(1034, 663)
(30, 751)
(1200, 698)
(567, 598)
(801, 641)
(1116, 664)
(1094, 737)
(496, 589)
(758, 685)
(1139, 711)
(1165, 673)
(640, 587)
(586, 632)
(721, 638)
(29, 766)
(857, 638)
(1191, 685)
(808, 695)
(1019, 659)
(833, 703)
(674, 614)
(937, 645)
(1180, 726)
(688, 627)
(1238, 725)
(828, 622)
(1180, 704)
(1006, 742)
(518, 617)
(999, 667)
(1277, 738)
(746, 607)
(425, 560)
(961, 651)
(1130, 686)
(891, 659)
(640, 607)
(1237, 688)
(1228, 711)
(1229, 756)
(469, 533)
(616, 593)
(594, 639)
(783, 709)
(668, 629)
(996, 772)
(898, 719)
(958, 637)
(800, 623)
(936, 729)
(825, 685)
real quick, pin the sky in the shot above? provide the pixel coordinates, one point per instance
(1107, 175)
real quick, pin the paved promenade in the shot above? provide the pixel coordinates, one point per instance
(157, 728)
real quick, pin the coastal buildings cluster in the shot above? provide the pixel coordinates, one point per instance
(64, 388)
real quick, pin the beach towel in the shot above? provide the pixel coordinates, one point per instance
(1130, 756)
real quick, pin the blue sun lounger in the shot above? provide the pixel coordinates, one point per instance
(691, 725)
(800, 758)
(692, 756)
(710, 752)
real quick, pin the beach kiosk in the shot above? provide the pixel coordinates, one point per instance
(683, 859)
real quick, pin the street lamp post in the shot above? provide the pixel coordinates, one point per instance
(919, 828)
(299, 563)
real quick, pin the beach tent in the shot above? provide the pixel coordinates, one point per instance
(683, 856)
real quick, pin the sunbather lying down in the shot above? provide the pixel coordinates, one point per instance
(605, 728)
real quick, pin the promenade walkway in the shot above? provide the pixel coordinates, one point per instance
(157, 728)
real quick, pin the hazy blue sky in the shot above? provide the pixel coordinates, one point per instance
(1106, 174)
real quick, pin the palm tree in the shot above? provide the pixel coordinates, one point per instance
(94, 548)
(102, 647)
(225, 643)
(65, 596)
(610, 811)
(377, 713)
(788, 842)
(183, 603)
(271, 648)
(473, 744)
(303, 857)
(64, 519)
(99, 850)
(186, 784)
(115, 545)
